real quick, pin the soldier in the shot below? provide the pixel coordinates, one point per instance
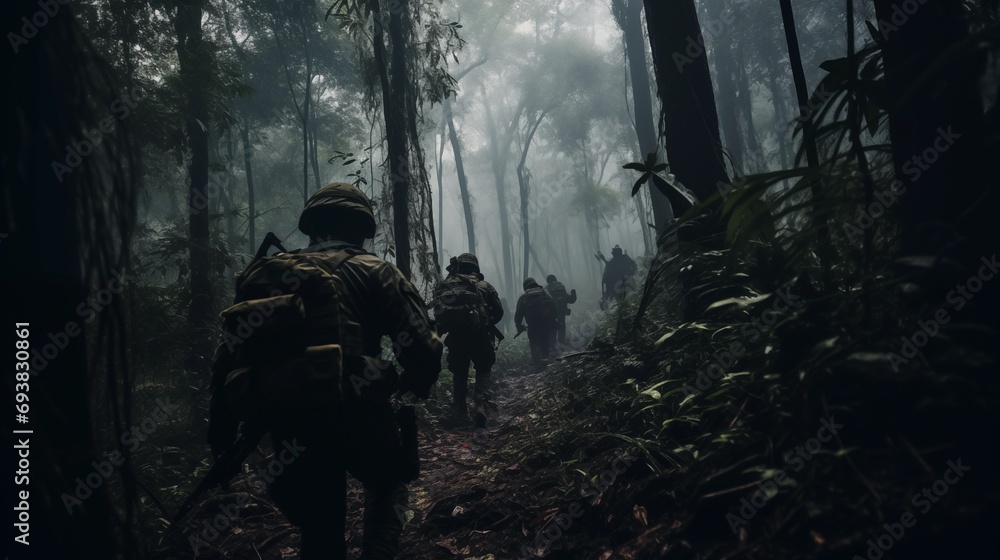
(364, 299)
(468, 308)
(538, 309)
(618, 275)
(557, 290)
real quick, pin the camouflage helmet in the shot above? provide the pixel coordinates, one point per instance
(466, 262)
(336, 206)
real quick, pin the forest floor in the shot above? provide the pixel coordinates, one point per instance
(557, 475)
(491, 494)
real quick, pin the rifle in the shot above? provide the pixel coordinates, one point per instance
(229, 463)
(225, 468)
(270, 240)
(497, 334)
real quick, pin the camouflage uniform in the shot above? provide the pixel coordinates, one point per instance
(537, 308)
(618, 275)
(557, 290)
(375, 301)
(474, 348)
(372, 300)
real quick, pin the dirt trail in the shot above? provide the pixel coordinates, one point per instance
(462, 506)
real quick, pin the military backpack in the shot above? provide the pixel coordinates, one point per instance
(280, 359)
(459, 305)
(538, 306)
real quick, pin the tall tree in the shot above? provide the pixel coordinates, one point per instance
(628, 15)
(456, 149)
(66, 233)
(194, 56)
(689, 122)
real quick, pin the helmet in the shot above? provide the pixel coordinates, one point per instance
(616, 251)
(529, 283)
(336, 207)
(550, 278)
(464, 263)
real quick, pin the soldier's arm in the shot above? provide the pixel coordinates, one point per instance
(493, 305)
(415, 343)
(519, 313)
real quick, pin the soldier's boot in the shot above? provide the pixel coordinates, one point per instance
(460, 405)
(479, 415)
(385, 510)
(321, 541)
(481, 397)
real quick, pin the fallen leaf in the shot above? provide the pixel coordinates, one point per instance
(639, 513)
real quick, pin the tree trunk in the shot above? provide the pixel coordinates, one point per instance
(935, 193)
(824, 249)
(314, 154)
(251, 200)
(438, 164)
(689, 123)
(463, 181)
(523, 179)
(499, 155)
(393, 107)
(642, 102)
(753, 149)
(193, 56)
(780, 120)
(949, 202)
(306, 107)
(724, 70)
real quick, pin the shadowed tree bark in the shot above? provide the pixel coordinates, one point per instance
(523, 179)
(456, 148)
(500, 143)
(194, 57)
(463, 181)
(689, 123)
(65, 234)
(628, 14)
(394, 82)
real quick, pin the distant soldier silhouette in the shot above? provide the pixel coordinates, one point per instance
(618, 279)
(562, 299)
(536, 308)
(467, 308)
(312, 370)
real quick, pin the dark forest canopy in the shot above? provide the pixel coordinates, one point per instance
(807, 188)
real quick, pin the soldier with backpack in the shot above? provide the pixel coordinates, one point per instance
(618, 279)
(467, 308)
(301, 358)
(537, 308)
(562, 299)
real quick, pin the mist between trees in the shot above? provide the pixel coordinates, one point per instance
(836, 155)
